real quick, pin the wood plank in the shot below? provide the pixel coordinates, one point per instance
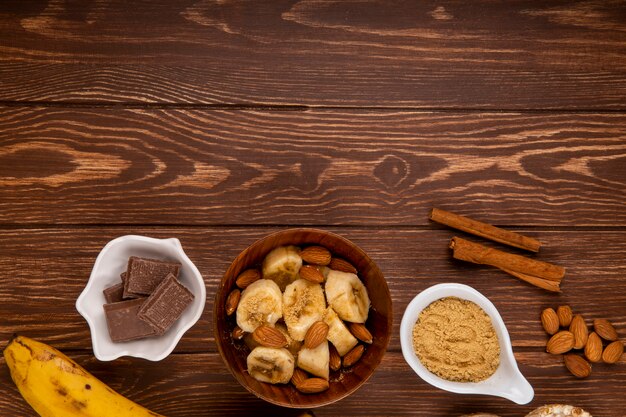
(133, 166)
(481, 54)
(199, 384)
(44, 270)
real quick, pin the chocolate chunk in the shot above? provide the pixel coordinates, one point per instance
(166, 304)
(123, 277)
(123, 322)
(143, 275)
(114, 294)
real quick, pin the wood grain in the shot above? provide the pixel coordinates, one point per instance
(44, 271)
(188, 385)
(443, 54)
(134, 166)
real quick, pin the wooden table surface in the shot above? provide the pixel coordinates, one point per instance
(218, 122)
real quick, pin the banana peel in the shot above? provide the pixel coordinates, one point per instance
(56, 386)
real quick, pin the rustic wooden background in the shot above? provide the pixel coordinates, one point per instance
(218, 122)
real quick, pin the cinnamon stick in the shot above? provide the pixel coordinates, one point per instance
(484, 230)
(538, 273)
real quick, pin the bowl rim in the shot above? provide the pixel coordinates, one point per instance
(220, 290)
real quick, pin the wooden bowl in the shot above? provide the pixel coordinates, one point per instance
(342, 382)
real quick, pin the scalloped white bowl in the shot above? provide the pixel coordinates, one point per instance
(507, 382)
(111, 262)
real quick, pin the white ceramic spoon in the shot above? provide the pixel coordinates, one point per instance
(507, 382)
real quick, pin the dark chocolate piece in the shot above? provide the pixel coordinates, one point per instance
(143, 275)
(166, 304)
(123, 322)
(114, 294)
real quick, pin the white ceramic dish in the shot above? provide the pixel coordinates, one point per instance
(111, 262)
(507, 382)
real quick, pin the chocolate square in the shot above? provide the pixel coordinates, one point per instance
(144, 275)
(114, 294)
(123, 322)
(166, 304)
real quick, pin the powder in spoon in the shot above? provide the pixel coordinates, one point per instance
(455, 340)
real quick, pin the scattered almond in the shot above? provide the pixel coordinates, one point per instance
(247, 277)
(334, 358)
(238, 333)
(613, 352)
(312, 385)
(316, 255)
(593, 348)
(315, 335)
(565, 315)
(353, 356)
(561, 342)
(579, 329)
(359, 331)
(577, 365)
(342, 265)
(232, 301)
(298, 376)
(605, 329)
(311, 273)
(550, 321)
(269, 337)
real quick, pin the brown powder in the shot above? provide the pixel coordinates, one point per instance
(455, 340)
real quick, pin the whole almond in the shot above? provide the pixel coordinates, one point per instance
(311, 273)
(593, 348)
(247, 277)
(550, 321)
(334, 361)
(315, 335)
(577, 365)
(312, 385)
(613, 352)
(579, 329)
(238, 333)
(269, 337)
(316, 255)
(232, 301)
(353, 356)
(561, 342)
(298, 376)
(359, 331)
(342, 265)
(565, 315)
(605, 329)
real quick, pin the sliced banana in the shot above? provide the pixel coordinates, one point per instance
(303, 305)
(271, 365)
(338, 333)
(316, 360)
(347, 295)
(282, 264)
(324, 270)
(260, 303)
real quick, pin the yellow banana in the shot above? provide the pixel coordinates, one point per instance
(56, 386)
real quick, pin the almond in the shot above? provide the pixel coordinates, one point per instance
(359, 331)
(298, 377)
(342, 265)
(577, 365)
(613, 352)
(565, 315)
(247, 277)
(550, 321)
(232, 301)
(238, 333)
(561, 342)
(334, 361)
(316, 255)
(593, 348)
(315, 335)
(269, 337)
(311, 273)
(312, 385)
(605, 329)
(579, 329)
(353, 356)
